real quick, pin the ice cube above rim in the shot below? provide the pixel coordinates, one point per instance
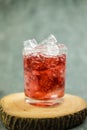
(49, 46)
(30, 44)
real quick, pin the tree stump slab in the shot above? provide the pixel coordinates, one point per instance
(16, 114)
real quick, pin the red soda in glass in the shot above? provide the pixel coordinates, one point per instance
(44, 77)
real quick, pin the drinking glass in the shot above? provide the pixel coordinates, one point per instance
(44, 72)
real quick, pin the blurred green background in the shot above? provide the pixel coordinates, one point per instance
(26, 19)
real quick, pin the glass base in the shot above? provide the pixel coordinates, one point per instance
(51, 102)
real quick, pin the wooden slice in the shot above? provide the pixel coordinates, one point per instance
(15, 114)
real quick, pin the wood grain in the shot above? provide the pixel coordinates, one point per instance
(16, 114)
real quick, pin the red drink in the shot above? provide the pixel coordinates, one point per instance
(44, 76)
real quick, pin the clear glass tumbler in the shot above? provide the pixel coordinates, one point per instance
(44, 72)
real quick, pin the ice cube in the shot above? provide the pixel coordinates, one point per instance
(48, 47)
(30, 44)
(52, 46)
(51, 39)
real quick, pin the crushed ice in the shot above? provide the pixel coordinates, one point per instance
(49, 46)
